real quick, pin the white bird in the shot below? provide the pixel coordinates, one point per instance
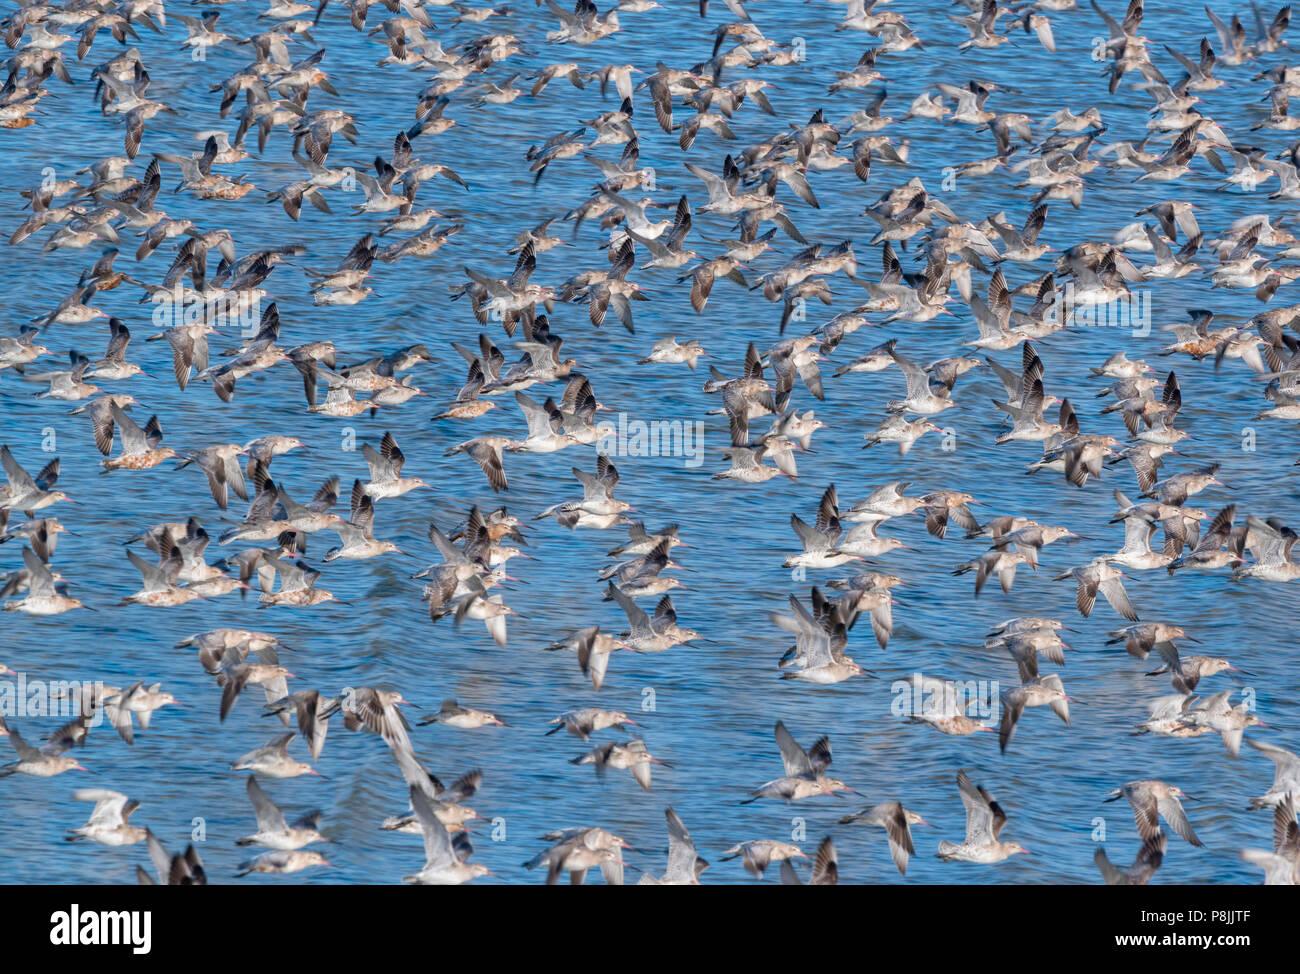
(444, 864)
(109, 822)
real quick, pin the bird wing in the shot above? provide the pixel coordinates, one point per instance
(269, 816)
(797, 763)
(979, 812)
(681, 850)
(438, 853)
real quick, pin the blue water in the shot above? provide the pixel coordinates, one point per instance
(714, 703)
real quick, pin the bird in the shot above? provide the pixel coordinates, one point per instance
(583, 723)
(684, 865)
(386, 464)
(109, 822)
(1149, 859)
(136, 703)
(273, 831)
(221, 464)
(647, 634)
(758, 854)
(44, 595)
(486, 452)
(668, 351)
(630, 756)
(1286, 781)
(36, 761)
(943, 705)
(1281, 865)
(803, 771)
(578, 850)
(1151, 800)
(281, 862)
(140, 447)
(1228, 721)
(312, 712)
(272, 759)
(234, 677)
(922, 398)
(1099, 576)
(445, 862)
(825, 871)
(818, 649)
(984, 823)
(27, 493)
(357, 534)
(454, 714)
(1034, 693)
(897, 822)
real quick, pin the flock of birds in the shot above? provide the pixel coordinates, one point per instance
(766, 192)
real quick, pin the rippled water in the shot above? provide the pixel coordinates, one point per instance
(714, 703)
